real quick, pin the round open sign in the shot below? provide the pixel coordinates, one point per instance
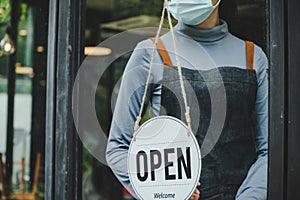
(164, 161)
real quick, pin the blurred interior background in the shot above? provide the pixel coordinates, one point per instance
(24, 31)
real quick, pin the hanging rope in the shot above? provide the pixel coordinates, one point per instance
(139, 117)
(187, 108)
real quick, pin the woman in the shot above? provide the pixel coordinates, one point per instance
(236, 166)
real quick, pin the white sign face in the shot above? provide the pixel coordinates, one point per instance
(164, 161)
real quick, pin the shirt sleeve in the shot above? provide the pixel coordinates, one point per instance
(254, 187)
(127, 109)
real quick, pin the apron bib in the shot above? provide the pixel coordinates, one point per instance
(226, 166)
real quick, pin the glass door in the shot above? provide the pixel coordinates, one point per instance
(23, 56)
(105, 20)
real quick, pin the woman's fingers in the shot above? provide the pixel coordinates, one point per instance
(196, 194)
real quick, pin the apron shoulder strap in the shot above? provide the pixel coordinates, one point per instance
(250, 54)
(168, 62)
(163, 52)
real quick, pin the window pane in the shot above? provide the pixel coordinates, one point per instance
(105, 19)
(29, 64)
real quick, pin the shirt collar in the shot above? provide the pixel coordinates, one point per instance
(204, 35)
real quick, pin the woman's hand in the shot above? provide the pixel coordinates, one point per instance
(196, 194)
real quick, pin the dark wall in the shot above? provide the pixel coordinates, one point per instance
(246, 19)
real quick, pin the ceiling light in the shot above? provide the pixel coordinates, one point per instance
(24, 70)
(97, 51)
(7, 45)
(23, 32)
(40, 49)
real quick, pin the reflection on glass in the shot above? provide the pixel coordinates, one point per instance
(23, 103)
(3, 102)
(29, 54)
(105, 19)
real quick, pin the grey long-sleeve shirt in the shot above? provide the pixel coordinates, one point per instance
(198, 49)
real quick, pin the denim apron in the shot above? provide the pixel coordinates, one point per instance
(225, 167)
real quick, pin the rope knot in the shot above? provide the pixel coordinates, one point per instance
(188, 119)
(136, 127)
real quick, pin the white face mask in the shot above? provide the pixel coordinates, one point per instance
(191, 12)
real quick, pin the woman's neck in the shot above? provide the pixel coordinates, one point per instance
(212, 21)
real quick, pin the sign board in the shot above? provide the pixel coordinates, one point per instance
(164, 161)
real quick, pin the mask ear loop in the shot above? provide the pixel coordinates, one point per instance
(187, 108)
